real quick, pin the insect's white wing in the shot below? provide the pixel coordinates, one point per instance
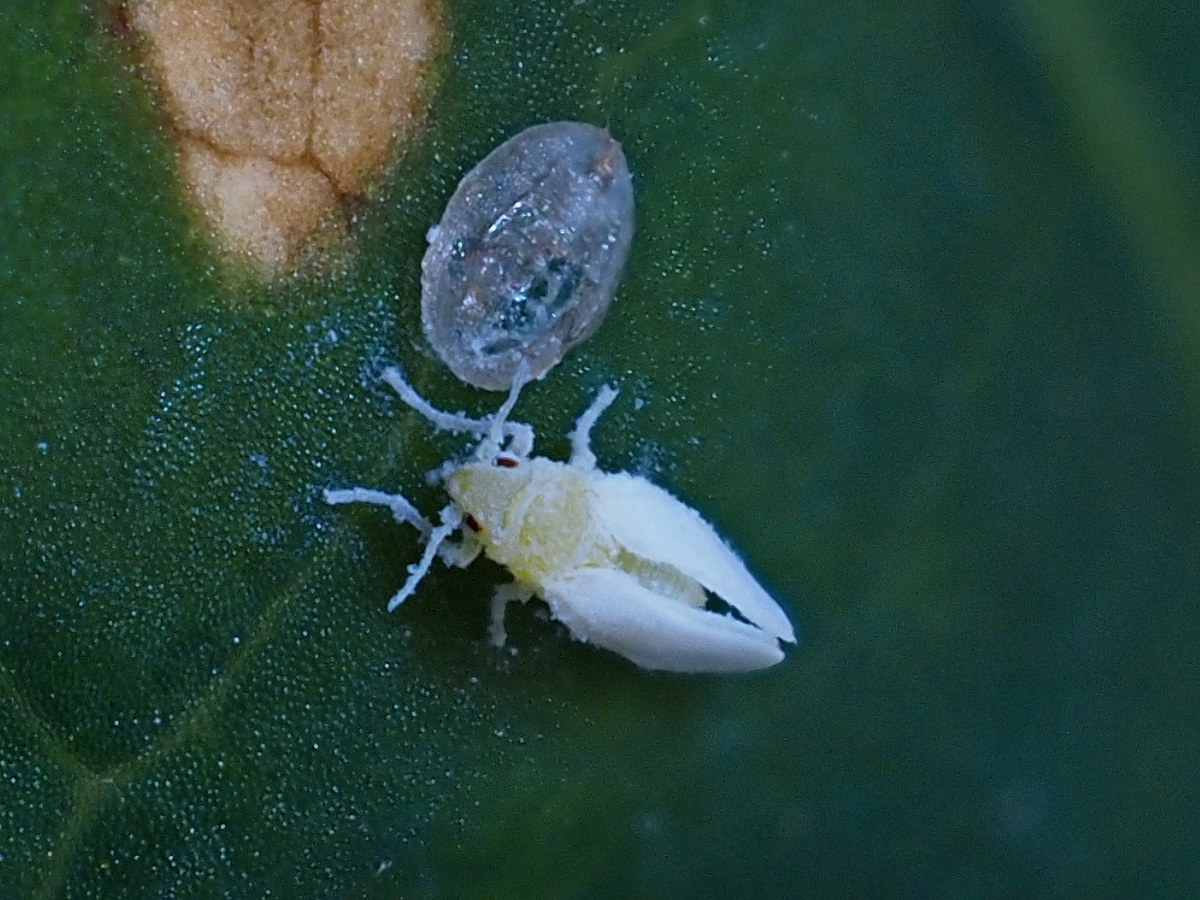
(612, 609)
(652, 524)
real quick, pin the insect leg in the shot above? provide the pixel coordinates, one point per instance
(513, 592)
(521, 434)
(496, 429)
(402, 511)
(582, 456)
(462, 553)
(451, 519)
(521, 438)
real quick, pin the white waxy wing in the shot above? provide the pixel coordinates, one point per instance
(612, 609)
(652, 524)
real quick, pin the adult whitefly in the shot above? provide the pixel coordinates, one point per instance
(527, 256)
(620, 562)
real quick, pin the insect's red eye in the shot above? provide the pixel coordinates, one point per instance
(505, 462)
(471, 522)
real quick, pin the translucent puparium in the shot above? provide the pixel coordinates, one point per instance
(525, 262)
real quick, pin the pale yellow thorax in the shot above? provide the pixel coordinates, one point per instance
(535, 519)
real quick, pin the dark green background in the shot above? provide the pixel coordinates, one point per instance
(912, 309)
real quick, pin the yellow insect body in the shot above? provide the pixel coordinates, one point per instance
(535, 518)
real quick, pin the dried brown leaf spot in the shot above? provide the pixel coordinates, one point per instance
(282, 108)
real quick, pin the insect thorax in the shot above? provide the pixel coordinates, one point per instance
(535, 519)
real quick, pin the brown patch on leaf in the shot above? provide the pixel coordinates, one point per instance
(282, 109)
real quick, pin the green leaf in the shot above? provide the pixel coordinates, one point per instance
(901, 317)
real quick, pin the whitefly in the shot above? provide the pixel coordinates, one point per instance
(620, 562)
(526, 259)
